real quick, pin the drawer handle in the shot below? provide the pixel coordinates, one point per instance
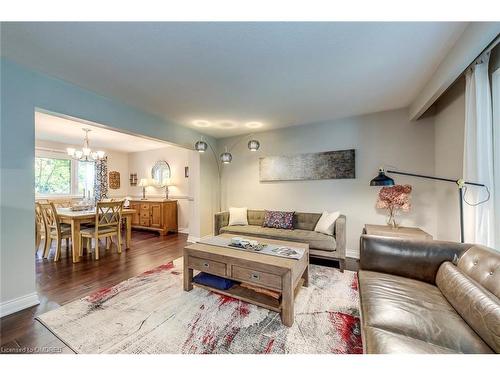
(254, 276)
(206, 265)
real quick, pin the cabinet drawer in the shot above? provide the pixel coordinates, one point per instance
(145, 214)
(209, 266)
(256, 277)
(144, 206)
(144, 221)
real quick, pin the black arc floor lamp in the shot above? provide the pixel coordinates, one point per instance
(383, 180)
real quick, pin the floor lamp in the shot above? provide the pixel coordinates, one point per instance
(226, 157)
(383, 180)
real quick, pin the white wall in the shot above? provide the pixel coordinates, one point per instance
(117, 161)
(449, 124)
(178, 158)
(379, 138)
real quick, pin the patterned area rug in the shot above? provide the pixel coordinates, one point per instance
(151, 313)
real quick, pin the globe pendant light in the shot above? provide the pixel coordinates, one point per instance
(226, 157)
(253, 145)
(201, 146)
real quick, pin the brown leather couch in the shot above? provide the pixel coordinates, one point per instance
(428, 296)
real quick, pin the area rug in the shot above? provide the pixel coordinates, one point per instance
(151, 313)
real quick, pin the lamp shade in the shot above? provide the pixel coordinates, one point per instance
(382, 179)
(144, 182)
(226, 157)
(253, 145)
(201, 146)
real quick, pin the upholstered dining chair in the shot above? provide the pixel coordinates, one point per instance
(55, 230)
(107, 224)
(40, 227)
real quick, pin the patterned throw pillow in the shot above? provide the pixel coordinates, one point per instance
(278, 219)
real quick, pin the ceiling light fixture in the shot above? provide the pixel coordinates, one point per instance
(254, 124)
(202, 123)
(85, 154)
(226, 125)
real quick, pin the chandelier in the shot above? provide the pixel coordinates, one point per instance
(85, 154)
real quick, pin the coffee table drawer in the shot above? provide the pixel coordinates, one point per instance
(209, 266)
(256, 277)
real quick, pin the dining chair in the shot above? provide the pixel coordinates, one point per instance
(40, 227)
(107, 224)
(55, 229)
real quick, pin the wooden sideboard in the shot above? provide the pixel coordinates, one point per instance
(158, 215)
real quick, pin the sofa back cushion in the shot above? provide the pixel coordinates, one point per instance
(474, 303)
(301, 220)
(256, 217)
(482, 264)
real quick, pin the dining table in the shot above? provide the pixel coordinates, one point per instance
(77, 218)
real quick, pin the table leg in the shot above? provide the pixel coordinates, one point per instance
(75, 239)
(287, 313)
(128, 231)
(305, 276)
(187, 275)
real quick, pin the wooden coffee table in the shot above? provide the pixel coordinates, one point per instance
(266, 271)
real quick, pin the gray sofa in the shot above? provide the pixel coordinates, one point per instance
(320, 245)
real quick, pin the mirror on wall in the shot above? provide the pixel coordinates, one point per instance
(161, 173)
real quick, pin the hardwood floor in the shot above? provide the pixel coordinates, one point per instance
(61, 282)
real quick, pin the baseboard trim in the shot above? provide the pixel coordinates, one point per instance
(18, 304)
(183, 230)
(352, 253)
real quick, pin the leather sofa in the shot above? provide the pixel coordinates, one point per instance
(428, 296)
(320, 245)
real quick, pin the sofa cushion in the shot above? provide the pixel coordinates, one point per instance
(278, 219)
(415, 309)
(376, 340)
(476, 305)
(315, 240)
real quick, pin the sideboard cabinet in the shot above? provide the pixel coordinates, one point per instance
(157, 215)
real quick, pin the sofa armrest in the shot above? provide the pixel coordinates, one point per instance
(340, 236)
(415, 259)
(221, 219)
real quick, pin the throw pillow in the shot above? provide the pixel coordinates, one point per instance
(238, 216)
(278, 219)
(326, 222)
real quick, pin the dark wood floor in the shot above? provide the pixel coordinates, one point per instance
(62, 282)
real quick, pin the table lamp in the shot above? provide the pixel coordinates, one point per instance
(143, 183)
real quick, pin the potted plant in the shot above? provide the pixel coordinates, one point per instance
(394, 199)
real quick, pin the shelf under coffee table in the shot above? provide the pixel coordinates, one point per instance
(275, 273)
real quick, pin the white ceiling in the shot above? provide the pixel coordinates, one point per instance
(68, 131)
(228, 74)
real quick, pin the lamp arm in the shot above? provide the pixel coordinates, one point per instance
(458, 182)
(215, 158)
(239, 140)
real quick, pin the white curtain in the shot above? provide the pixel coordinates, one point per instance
(478, 156)
(495, 87)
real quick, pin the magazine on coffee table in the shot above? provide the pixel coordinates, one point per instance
(253, 246)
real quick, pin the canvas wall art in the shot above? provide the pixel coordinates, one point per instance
(311, 166)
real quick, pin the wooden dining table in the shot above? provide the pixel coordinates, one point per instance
(77, 218)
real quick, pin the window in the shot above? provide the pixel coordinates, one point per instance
(52, 176)
(55, 174)
(85, 177)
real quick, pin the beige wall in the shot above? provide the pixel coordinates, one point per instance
(379, 138)
(178, 158)
(449, 125)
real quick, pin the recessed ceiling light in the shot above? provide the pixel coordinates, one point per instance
(202, 123)
(226, 124)
(254, 124)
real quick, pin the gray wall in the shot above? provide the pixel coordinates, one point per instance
(379, 138)
(23, 90)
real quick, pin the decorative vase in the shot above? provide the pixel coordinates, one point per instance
(391, 219)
